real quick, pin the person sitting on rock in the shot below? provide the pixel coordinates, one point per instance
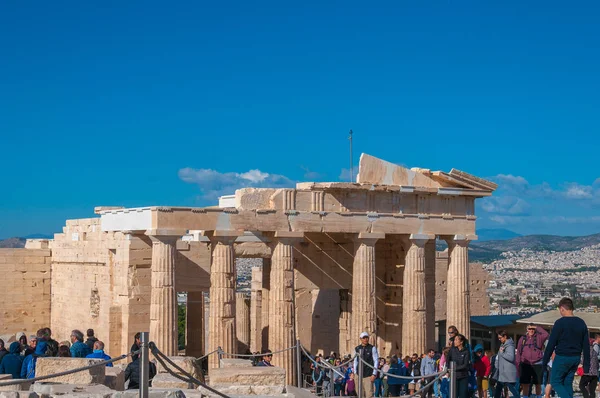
(11, 363)
(79, 349)
(99, 353)
(267, 356)
(132, 372)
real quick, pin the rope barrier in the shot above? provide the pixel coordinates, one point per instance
(161, 358)
(401, 377)
(423, 388)
(255, 355)
(67, 372)
(324, 365)
(206, 356)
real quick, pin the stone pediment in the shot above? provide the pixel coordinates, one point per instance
(377, 171)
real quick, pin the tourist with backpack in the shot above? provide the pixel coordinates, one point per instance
(529, 355)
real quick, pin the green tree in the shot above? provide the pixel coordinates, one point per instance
(181, 326)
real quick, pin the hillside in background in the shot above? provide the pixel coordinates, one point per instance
(486, 234)
(12, 243)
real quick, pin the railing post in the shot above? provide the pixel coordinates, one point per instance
(219, 355)
(452, 379)
(299, 363)
(145, 365)
(360, 374)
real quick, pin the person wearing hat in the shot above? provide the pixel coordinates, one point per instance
(369, 354)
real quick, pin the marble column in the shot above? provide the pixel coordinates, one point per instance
(430, 292)
(194, 324)
(364, 317)
(458, 300)
(242, 321)
(256, 310)
(266, 285)
(222, 298)
(163, 297)
(281, 306)
(414, 298)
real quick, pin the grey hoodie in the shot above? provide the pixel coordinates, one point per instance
(506, 362)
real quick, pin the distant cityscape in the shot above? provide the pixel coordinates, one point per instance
(531, 281)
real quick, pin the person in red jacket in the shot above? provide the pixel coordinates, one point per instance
(529, 355)
(482, 367)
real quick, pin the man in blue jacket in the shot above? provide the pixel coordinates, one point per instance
(11, 363)
(28, 367)
(99, 353)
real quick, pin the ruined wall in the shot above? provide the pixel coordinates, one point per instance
(25, 295)
(90, 283)
(479, 280)
(101, 280)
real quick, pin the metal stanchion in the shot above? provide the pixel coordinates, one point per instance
(331, 382)
(145, 365)
(219, 355)
(360, 374)
(299, 363)
(452, 379)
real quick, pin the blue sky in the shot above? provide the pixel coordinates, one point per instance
(147, 103)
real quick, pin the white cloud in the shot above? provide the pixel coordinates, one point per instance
(507, 205)
(254, 175)
(213, 184)
(576, 191)
(511, 179)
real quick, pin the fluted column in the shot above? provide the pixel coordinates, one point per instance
(458, 300)
(222, 298)
(256, 310)
(430, 292)
(414, 298)
(242, 321)
(163, 298)
(364, 317)
(195, 324)
(266, 286)
(281, 306)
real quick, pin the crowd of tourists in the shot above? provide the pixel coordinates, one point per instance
(20, 359)
(538, 365)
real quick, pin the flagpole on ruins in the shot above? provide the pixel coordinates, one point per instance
(351, 161)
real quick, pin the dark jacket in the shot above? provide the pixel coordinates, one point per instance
(3, 352)
(462, 358)
(52, 350)
(90, 343)
(132, 373)
(11, 363)
(414, 368)
(398, 369)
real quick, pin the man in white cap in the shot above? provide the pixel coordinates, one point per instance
(369, 372)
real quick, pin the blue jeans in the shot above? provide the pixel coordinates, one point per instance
(563, 373)
(512, 387)
(436, 388)
(378, 386)
(445, 387)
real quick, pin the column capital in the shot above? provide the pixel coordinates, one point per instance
(369, 238)
(165, 234)
(421, 239)
(225, 237)
(459, 239)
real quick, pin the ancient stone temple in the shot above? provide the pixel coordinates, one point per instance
(338, 259)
